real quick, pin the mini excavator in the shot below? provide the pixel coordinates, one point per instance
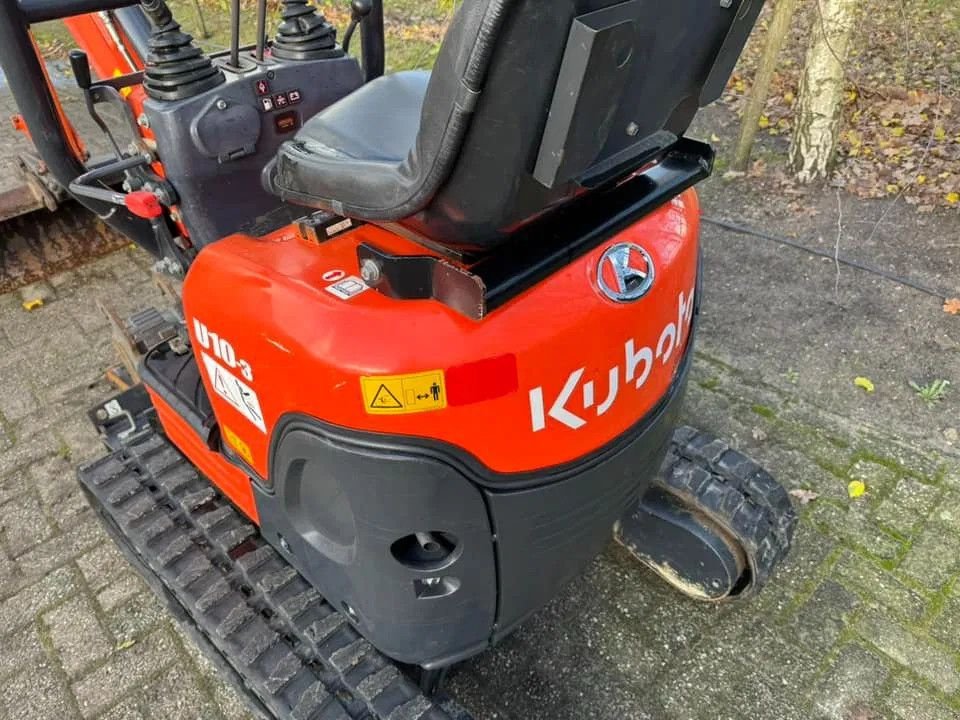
(433, 333)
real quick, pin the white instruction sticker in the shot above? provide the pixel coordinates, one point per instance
(347, 288)
(234, 391)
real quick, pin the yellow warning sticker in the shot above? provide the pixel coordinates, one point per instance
(402, 394)
(234, 441)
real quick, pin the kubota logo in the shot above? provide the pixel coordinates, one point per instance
(637, 364)
(625, 273)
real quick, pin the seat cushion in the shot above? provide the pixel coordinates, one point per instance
(355, 149)
(361, 158)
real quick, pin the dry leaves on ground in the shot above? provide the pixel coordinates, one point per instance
(804, 496)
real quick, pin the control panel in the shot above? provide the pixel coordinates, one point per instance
(214, 145)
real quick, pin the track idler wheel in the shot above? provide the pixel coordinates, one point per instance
(713, 523)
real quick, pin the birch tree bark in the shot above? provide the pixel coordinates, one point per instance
(776, 35)
(819, 108)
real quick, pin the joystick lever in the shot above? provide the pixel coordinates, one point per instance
(80, 65)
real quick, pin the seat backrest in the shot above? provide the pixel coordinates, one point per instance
(532, 102)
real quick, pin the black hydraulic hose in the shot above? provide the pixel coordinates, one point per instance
(136, 26)
(849, 262)
(27, 81)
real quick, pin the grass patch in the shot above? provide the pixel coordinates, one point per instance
(709, 384)
(888, 463)
(413, 29)
(764, 411)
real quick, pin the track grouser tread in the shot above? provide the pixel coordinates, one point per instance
(291, 653)
(736, 493)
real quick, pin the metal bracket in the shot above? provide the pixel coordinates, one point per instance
(540, 248)
(39, 189)
(422, 277)
(104, 93)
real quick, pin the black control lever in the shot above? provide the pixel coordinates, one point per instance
(81, 69)
(80, 65)
(359, 9)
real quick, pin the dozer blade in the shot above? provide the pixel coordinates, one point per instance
(36, 246)
(273, 635)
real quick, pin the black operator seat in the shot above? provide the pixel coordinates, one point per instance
(530, 104)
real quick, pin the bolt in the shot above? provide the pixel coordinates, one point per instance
(285, 545)
(102, 415)
(632, 129)
(350, 613)
(726, 3)
(143, 121)
(221, 104)
(370, 271)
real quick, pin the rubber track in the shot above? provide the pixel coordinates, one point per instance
(294, 655)
(737, 493)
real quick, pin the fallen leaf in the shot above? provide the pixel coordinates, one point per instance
(862, 712)
(856, 488)
(126, 644)
(952, 306)
(764, 122)
(865, 383)
(804, 496)
(953, 198)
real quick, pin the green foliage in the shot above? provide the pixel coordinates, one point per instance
(933, 392)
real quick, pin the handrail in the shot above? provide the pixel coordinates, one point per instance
(37, 11)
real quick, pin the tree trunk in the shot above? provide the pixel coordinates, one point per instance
(820, 107)
(776, 35)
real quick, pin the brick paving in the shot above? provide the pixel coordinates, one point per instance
(862, 624)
